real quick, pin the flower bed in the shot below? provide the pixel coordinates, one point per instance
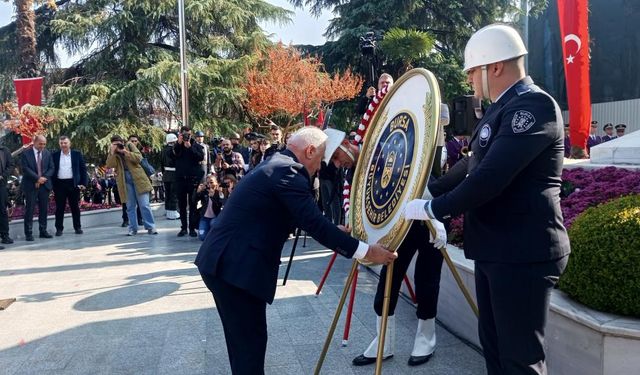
(580, 190)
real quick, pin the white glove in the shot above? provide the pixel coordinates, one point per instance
(439, 240)
(415, 210)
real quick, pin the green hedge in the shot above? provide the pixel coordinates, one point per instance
(604, 267)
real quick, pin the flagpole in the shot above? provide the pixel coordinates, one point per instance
(184, 83)
(524, 4)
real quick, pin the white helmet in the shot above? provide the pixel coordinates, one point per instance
(171, 138)
(493, 43)
(334, 139)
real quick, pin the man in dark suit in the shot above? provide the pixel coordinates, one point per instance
(6, 169)
(69, 178)
(37, 170)
(509, 192)
(240, 257)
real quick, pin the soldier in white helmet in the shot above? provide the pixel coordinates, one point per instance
(509, 191)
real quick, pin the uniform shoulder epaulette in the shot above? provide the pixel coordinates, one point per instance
(522, 89)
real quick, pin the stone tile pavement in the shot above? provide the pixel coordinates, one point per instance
(104, 303)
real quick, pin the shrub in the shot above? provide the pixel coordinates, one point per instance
(604, 266)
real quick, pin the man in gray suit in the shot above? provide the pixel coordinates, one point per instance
(37, 170)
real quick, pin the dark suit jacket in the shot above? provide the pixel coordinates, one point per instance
(509, 188)
(30, 169)
(245, 242)
(78, 167)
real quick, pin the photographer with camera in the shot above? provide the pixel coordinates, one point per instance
(229, 162)
(187, 155)
(239, 148)
(133, 182)
(209, 198)
(384, 80)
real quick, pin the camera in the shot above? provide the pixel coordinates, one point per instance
(368, 43)
(120, 146)
(224, 185)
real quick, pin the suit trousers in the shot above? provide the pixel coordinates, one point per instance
(65, 190)
(513, 300)
(41, 196)
(4, 217)
(185, 189)
(427, 273)
(244, 320)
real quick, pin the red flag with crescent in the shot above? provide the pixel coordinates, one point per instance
(574, 29)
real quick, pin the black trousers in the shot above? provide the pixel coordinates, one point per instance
(41, 196)
(426, 278)
(185, 190)
(65, 190)
(170, 200)
(4, 217)
(513, 300)
(244, 320)
(125, 216)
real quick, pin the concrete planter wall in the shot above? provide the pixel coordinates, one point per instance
(579, 340)
(95, 218)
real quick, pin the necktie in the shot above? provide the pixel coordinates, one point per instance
(39, 163)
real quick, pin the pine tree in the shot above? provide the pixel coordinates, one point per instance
(128, 77)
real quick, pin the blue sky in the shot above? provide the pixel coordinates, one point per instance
(305, 29)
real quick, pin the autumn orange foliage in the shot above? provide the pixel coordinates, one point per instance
(285, 84)
(27, 122)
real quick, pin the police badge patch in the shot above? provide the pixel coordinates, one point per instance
(485, 134)
(522, 121)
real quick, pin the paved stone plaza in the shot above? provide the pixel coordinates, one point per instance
(105, 303)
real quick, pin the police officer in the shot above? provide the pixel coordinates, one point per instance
(593, 139)
(168, 165)
(509, 192)
(608, 130)
(205, 164)
(620, 128)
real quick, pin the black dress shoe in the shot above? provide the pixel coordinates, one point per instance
(418, 360)
(58, 233)
(79, 231)
(193, 233)
(7, 240)
(28, 237)
(124, 224)
(1, 247)
(45, 235)
(182, 233)
(361, 360)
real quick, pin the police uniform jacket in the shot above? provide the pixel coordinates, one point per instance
(509, 187)
(168, 164)
(244, 245)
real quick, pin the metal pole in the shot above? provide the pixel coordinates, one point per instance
(184, 83)
(385, 317)
(336, 317)
(293, 251)
(524, 4)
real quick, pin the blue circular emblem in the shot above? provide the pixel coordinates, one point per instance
(389, 169)
(485, 134)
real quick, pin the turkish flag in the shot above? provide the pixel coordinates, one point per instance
(574, 29)
(28, 91)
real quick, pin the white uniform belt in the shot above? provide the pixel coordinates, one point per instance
(170, 169)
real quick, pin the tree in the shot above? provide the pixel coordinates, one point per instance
(449, 23)
(285, 85)
(127, 80)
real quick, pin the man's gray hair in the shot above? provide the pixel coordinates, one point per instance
(306, 136)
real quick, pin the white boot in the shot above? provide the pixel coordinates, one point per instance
(369, 355)
(425, 342)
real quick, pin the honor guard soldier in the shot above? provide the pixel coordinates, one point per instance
(509, 191)
(620, 128)
(567, 141)
(608, 130)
